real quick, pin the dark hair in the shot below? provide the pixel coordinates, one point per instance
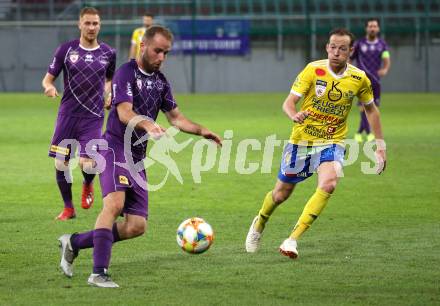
(342, 32)
(370, 20)
(157, 29)
(88, 11)
(148, 15)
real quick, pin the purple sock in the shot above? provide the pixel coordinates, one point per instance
(65, 189)
(102, 249)
(88, 178)
(84, 240)
(365, 123)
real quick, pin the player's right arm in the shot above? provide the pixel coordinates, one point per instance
(49, 86)
(122, 96)
(53, 71)
(126, 114)
(300, 87)
(289, 107)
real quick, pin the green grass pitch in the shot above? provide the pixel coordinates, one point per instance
(377, 242)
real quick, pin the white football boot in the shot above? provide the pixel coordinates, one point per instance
(67, 255)
(102, 280)
(253, 238)
(289, 248)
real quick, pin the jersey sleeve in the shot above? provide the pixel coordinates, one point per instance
(303, 82)
(112, 66)
(122, 86)
(365, 94)
(168, 102)
(386, 51)
(58, 61)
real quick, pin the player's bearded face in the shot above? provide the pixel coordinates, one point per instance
(338, 50)
(155, 52)
(89, 26)
(372, 29)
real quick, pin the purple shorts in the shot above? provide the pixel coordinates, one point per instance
(117, 177)
(71, 132)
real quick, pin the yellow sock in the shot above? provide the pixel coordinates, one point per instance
(265, 212)
(311, 211)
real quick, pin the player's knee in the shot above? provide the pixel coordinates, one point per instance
(329, 186)
(87, 165)
(61, 165)
(135, 230)
(279, 196)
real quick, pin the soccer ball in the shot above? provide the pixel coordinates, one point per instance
(195, 235)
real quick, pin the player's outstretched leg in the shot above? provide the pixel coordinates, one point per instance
(67, 255)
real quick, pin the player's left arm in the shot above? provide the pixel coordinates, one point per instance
(177, 119)
(373, 117)
(386, 64)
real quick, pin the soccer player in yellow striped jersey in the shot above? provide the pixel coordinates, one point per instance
(328, 88)
(137, 35)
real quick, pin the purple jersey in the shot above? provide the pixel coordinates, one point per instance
(148, 93)
(84, 72)
(368, 56)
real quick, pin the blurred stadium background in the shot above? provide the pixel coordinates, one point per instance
(259, 45)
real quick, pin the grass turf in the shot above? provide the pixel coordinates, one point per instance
(377, 241)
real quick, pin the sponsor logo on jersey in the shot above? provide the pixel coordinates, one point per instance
(320, 72)
(73, 56)
(149, 84)
(356, 77)
(139, 84)
(52, 65)
(103, 59)
(88, 58)
(331, 129)
(364, 48)
(129, 91)
(59, 150)
(123, 180)
(320, 87)
(334, 94)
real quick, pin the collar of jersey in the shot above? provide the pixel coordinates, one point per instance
(336, 76)
(89, 49)
(372, 42)
(144, 72)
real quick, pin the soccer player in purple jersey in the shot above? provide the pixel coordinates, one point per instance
(88, 67)
(140, 91)
(372, 56)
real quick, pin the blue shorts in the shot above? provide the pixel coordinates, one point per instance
(300, 162)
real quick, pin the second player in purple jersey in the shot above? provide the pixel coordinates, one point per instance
(88, 67)
(371, 55)
(85, 71)
(140, 91)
